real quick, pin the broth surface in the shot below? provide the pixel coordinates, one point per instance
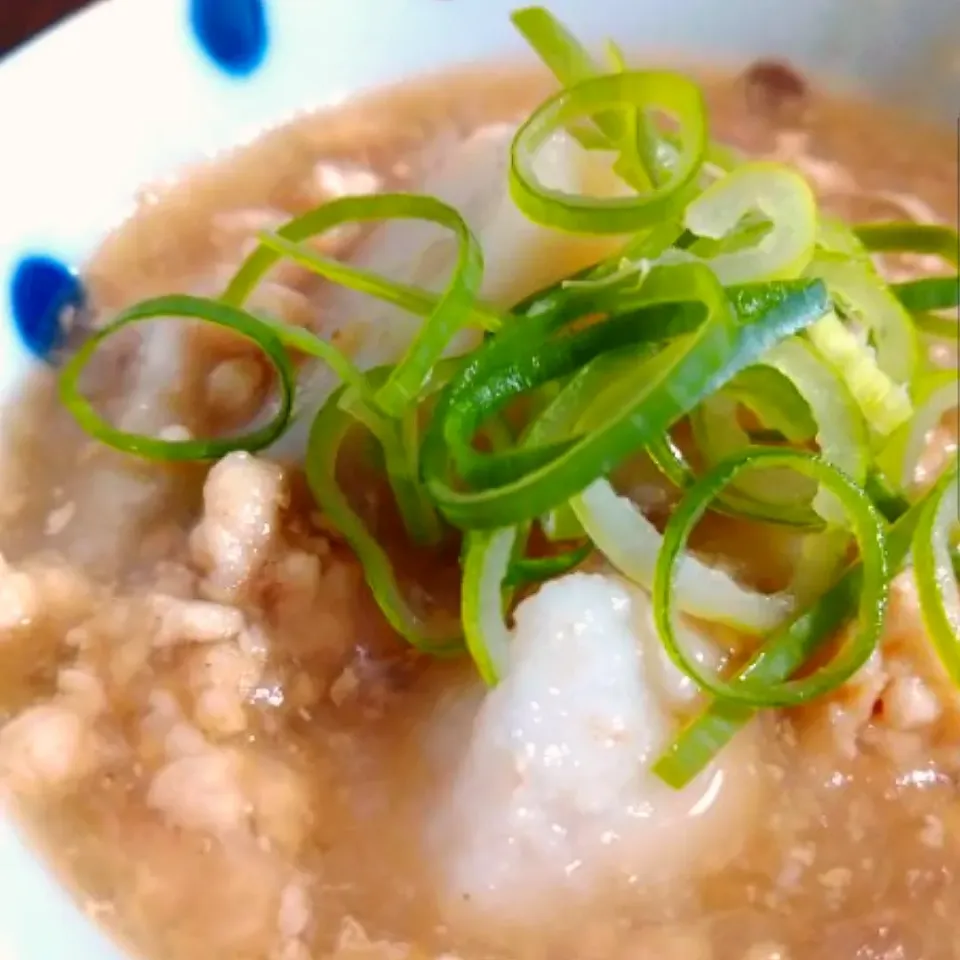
(225, 749)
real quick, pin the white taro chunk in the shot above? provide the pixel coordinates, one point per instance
(519, 256)
(554, 805)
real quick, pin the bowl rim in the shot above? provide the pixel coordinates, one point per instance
(73, 167)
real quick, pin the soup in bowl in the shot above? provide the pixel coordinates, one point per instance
(511, 512)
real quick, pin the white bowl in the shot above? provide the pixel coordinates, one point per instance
(127, 92)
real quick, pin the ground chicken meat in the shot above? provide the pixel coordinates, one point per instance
(902, 689)
(19, 602)
(202, 792)
(353, 943)
(52, 591)
(243, 498)
(194, 621)
(281, 806)
(48, 747)
(222, 678)
(909, 703)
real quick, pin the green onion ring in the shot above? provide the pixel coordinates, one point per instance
(643, 90)
(691, 368)
(327, 433)
(868, 527)
(190, 308)
(452, 311)
(640, 163)
(570, 62)
(670, 461)
(775, 497)
(937, 587)
(840, 433)
(785, 200)
(783, 653)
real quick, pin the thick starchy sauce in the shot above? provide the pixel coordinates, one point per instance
(219, 740)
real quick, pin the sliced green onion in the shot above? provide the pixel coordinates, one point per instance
(783, 197)
(399, 443)
(414, 300)
(836, 236)
(928, 293)
(559, 49)
(670, 461)
(885, 404)
(532, 570)
(327, 434)
(935, 393)
(943, 328)
(398, 439)
(488, 555)
(937, 589)
(570, 62)
(554, 361)
(774, 397)
(777, 496)
(188, 308)
(641, 409)
(867, 525)
(490, 567)
(562, 523)
(841, 432)
(559, 417)
(822, 557)
(909, 237)
(303, 341)
(453, 309)
(861, 294)
(781, 655)
(632, 544)
(885, 496)
(639, 163)
(645, 91)
(525, 359)
(839, 429)
(629, 266)
(495, 377)
(628, 130)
